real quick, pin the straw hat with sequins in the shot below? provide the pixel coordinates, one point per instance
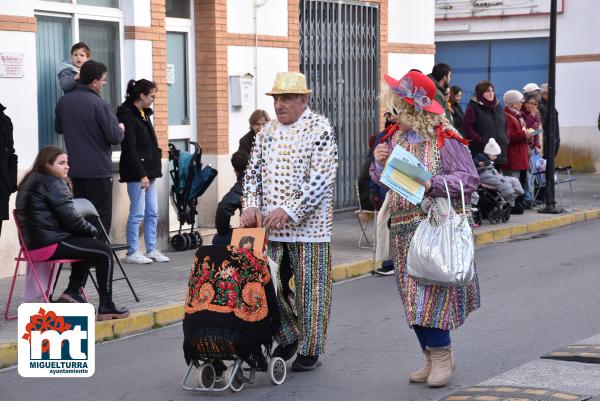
(289, 82)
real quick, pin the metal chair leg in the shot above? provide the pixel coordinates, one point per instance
(125, 277)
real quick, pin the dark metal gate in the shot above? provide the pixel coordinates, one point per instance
(339, 54)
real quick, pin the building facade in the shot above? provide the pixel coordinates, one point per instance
(212, 60)
(506, 42)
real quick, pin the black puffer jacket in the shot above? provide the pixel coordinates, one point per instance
(140, 155)
(46, 212)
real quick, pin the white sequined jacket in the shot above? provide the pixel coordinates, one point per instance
(294, 167)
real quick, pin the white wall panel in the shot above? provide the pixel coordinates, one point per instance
(411, 21)
(272, 17)
(400, 64)
(241, 59)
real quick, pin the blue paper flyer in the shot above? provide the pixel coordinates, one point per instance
(401, 172)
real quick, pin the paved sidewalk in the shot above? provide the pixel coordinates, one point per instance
(161, 286)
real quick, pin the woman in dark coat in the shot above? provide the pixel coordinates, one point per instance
(457, 112)
(51, 225)
(484, 119)
(257, 119)
(139, 167)
(8, 164)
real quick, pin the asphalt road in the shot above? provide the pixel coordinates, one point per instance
(538, 293)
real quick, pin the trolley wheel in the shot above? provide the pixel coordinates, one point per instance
(277, 370)
(178, 242)
(197, 234)
(237, 384)
(207, 376)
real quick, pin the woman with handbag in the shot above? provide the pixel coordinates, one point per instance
(431, 310)
(139, 167)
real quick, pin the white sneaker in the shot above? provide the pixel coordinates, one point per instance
(137, 258)
(157, 256)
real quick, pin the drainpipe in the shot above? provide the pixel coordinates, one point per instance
(257, 5)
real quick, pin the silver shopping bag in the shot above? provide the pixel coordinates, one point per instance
(443, 253)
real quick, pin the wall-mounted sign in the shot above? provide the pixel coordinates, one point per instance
(450, 9)
(11, 65)
(170, 74)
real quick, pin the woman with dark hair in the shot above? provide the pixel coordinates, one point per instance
(139, 167)
(257, 119)
(532, 117)
(51, 225)
(484, 119)
(457, 112)
(246, 242)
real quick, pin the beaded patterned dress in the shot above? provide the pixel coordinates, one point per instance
(434, 306)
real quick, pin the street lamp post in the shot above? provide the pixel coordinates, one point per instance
(550, 134)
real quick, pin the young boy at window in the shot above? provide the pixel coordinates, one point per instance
(69, 76)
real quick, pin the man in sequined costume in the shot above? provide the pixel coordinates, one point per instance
(288, 188)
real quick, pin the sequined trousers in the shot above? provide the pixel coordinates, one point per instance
(305, 308)
(435, 306)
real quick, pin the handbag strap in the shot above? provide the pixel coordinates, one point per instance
(462, 194)
(447, 193)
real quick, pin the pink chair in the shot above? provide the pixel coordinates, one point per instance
(32, 256)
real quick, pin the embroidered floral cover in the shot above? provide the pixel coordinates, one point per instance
(231, 285)
(230, 306)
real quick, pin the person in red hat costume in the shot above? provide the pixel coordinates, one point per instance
(431, 310)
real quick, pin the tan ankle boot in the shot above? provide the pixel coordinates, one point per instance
(420, 376)
(442, 366)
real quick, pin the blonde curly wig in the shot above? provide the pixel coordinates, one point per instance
(423, 122)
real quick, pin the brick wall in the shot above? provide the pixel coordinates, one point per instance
(211, 75)
(294, 35)
(157, 34)
(159, 72)
(17, 23)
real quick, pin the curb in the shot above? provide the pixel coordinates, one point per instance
(113, 329)
(167, 315)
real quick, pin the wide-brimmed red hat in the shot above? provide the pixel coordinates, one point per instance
(417, 89)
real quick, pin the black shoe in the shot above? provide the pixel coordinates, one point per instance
(285, 352)
(72, 297)
(385, 270)
(111, 311)
(304, 363)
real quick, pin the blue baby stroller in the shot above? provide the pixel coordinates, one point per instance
(190, 181)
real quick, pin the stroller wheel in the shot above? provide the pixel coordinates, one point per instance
(206, 376)
(179, 242)
(506, 215)
(237, 384)
(277, 370)
(199, 237)
(494, 217)
(193, 241)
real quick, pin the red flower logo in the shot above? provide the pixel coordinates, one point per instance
(44, 321)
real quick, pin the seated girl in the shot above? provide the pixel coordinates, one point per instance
(49, 220)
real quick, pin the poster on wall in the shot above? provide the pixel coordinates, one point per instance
(170, 74)
(11, 65)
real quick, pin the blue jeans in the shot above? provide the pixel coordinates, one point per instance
(432, 337)
(144, 206)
